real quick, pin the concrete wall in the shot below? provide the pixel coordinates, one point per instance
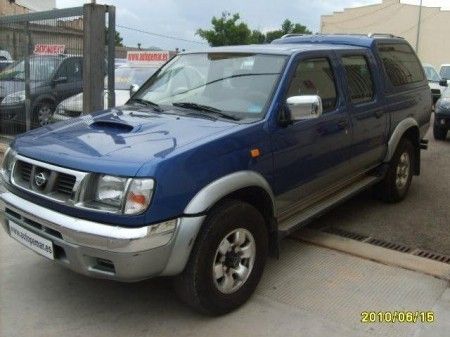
(400, 19)
(7, 8)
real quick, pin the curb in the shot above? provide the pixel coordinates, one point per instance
(375, 253)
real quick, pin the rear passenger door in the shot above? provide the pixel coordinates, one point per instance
(368, 117)
(311, 155)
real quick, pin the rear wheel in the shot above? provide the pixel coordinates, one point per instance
(43, 113)
(439, 132)
(227, 260)
(395, 185)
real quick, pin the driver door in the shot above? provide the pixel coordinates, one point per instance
(68, 80)
(312, 155)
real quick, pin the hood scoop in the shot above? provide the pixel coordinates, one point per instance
(112, 126)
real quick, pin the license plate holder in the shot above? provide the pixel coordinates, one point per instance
(33, 241)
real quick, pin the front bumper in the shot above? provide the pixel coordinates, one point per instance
(105, 251)
(14, 112)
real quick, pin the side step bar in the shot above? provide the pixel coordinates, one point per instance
(304, 216)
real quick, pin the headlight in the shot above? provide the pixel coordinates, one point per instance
(8, 164)
(139, 195)
(119, 195)
(14, 98)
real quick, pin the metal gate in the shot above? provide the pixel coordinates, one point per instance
(47, 58)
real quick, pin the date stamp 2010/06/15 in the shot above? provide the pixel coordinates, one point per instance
(397, 317)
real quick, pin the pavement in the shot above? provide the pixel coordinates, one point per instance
(310, 291)
(420, 221)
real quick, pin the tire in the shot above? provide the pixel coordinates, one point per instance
(439, 133)
(210, 290)
(43, 113)
(396, 183)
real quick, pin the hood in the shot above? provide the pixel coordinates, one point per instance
(75, 103)
(9, 87)
(117, 141)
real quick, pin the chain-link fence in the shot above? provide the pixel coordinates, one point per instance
(42, 61)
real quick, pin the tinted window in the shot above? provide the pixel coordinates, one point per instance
(360, 82)
(315, 77)
(431, 74)
(72, 69)
(400, 63)
(445, 72)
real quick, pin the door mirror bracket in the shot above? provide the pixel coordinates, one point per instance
(304, 107)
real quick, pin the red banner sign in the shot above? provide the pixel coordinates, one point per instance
(149, 57)
(49, 49)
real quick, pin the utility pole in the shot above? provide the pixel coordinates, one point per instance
(418, 27)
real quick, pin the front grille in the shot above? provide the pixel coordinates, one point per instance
(72, 113)
(25, 170)
(42, 180)
(65, 183)
(436, 91)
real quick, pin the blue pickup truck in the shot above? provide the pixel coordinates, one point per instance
(216, 158)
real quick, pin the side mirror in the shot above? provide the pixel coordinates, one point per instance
(443, 82)
(59, 80)
(305, 107)
(133, 89)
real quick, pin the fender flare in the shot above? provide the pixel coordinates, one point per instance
(398, 133)
(216, 190)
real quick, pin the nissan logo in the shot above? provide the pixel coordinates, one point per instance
(40, 179)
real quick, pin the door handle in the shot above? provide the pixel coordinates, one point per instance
(379, 113)
(343, 124)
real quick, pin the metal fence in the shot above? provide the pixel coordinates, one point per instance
(48, 59)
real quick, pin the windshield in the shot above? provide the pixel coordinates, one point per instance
(238, 83)
(445, 72)
(127, 76)
(432, 74)
(41, 69)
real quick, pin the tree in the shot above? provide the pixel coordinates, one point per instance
(226, 31)
(118, 39)
(287, 27)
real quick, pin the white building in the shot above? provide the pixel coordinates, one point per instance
(393, 16)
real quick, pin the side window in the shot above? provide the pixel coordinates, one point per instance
(400, 63)
(360, 82)
(71, 69)
(315, 77)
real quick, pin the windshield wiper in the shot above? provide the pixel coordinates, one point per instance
(146, 103)
(205, 108)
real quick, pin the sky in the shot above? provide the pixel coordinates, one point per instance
(182, 18)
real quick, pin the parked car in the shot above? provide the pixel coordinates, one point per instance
(201, 177)
(53, 78)
(118, 62)
(5, 55)
(126, 77)
(442, 116)
(5, 60)
(436, 83)
(444, 72)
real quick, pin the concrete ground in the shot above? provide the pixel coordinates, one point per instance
(311, 291)
(420, 221)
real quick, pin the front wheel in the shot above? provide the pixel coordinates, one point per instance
(43, 113)
(395, 185)
(227, 260)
